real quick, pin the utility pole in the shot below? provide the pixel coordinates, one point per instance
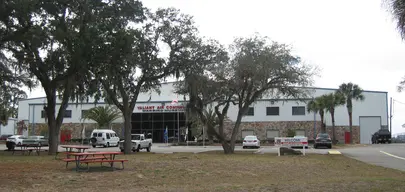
(391, 115)
(315, 122)
(178, 126)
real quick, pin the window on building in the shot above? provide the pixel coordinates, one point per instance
(84, 113)
(68, 114)
(43, 114)
(272, 111)
(251, 111)
(298, 110)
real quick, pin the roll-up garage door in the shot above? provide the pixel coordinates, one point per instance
(271, 134)
(246, 133)
(368, 126)
(300, 132)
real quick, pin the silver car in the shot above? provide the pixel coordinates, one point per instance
(40, 140)
(251, 141)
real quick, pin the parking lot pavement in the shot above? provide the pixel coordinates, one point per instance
(163, 148)
(194, 149)
(386, 155)
(310, 150)
(198, 149)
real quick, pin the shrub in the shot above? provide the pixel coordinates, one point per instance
(76, 140)
(290, 133)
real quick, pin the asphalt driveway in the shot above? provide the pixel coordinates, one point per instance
(386, 155)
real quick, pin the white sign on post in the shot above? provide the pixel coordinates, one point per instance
(291, 142)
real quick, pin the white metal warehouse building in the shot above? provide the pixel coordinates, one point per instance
(154, 112)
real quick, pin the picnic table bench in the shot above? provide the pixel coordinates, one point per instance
(95, 157)
(28, 148)
(71, 148)
(68, 160)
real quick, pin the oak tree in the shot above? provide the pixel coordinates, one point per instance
(133, 61)
(11, 83)
(56, 41)
(257, 68)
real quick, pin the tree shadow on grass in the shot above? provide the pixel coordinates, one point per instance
(94, 169)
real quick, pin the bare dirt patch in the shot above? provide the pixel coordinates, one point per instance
(202, 172)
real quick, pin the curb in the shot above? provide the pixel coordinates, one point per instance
(334, 152)
(163, 152)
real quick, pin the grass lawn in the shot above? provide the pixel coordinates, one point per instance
(202, 172)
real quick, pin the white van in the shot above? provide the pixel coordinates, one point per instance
(104, 137)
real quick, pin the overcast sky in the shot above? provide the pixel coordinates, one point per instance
(350, 40)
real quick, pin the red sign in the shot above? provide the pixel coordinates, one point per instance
(161, 108)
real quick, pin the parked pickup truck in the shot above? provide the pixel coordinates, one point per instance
(138, 142)
(381, 136)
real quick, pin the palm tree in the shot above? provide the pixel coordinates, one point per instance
(351, 92)
(211, 123)
(397, 10)
(332, 101)
(103, 116)
(318, 106)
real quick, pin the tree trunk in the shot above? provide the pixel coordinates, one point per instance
(210, 139)
(127, 113)
(323, 128)
(351, 127)
(53, 135)
(210, 133)
(235, 131)
(53, 126)
(228, 148)
(332, 113)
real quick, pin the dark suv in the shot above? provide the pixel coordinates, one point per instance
(324, 140)
(381, 136)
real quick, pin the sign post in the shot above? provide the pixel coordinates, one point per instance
(291, 142)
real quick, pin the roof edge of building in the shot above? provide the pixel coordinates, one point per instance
(171, 82)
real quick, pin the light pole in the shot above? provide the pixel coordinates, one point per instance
(391, 115)
(33, 121)
(203, 136)
(313, 99)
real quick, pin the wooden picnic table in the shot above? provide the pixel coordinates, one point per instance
(70, 149)
(79, 148)
(95, 157)
(29, 148)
